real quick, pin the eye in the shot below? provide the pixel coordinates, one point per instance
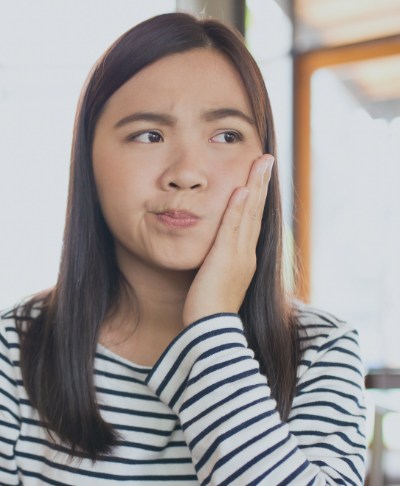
(227, 137)
(150, 136)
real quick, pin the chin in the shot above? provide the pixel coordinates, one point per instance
(181, 257)
(182, 262)
(182, 265)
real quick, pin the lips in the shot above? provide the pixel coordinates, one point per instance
(177, 218)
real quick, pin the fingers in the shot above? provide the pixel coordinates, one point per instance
(233, 216)
(257, 184)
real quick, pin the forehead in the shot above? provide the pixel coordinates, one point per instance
(202, 78)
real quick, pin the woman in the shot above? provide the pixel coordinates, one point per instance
(168, 351)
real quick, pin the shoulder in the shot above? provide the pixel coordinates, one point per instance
(14, 320)
(9, 335)
(9, 358)
(318, 326)
(323, 335)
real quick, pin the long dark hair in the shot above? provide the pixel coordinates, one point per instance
(59, 338)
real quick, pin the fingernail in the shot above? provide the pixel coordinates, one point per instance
(265, 165)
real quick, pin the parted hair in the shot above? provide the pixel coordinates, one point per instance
(59, 329)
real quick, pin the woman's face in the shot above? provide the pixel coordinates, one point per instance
(176, 138)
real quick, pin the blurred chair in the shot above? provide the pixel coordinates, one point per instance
(381, 379)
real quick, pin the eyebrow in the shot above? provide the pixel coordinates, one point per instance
(169, 120)
(162, 118)
(218, 114)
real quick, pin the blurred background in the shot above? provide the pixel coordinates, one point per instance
(332, 69)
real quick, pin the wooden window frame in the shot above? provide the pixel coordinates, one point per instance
(305, 65)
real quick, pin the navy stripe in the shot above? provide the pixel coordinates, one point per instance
(15, 417)
(140, 413)
(327, 377)
(329, 420)
(7, 457)
(168, 478)
(10, 397)
(10, 380)
(9, 472)
(5, 359)
(222, 402)
(346, 351)
(346, 479)
(184, 332)
(8, 424)
(145, 430)
(317, 326)
(351, 466)
(204, 373)
(334, 364)
(226, 435)
(117, 377)
(236, 451)
(256, 459)
(149, 447)
(5, 343)
(335, 392)
(7, 441)
(223, 419)
(339, 451)
(215, 386)
(329, 344)
(216, 367)
(316, 433)
(217, 349)
(295, 474)
(186, 351)
(327, 404)
(117, 393)
(326, 317)
(122, 363)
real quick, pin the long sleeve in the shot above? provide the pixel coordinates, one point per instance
(208, 376)
(9, 416)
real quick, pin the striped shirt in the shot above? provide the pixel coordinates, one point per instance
(203, 414)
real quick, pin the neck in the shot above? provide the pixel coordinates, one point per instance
(158, 294)
(150, 316)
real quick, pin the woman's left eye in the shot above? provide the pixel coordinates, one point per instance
(227, 137)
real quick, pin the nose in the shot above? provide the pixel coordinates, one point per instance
(186, 170)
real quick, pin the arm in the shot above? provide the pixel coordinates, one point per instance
(9, 414)
(230, 421)
(210, 378)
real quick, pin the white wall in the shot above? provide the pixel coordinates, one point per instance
(47, 47)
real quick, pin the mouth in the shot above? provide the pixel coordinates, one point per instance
(177, 218)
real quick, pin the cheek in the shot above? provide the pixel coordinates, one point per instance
(226, 179)
(121, 192)
(234, 172)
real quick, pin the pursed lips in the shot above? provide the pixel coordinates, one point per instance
(177, 218)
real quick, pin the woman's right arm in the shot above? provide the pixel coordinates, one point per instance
(9, 410)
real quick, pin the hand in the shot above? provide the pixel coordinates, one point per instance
(225, 275)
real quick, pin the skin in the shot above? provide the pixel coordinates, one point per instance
(193, 158)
